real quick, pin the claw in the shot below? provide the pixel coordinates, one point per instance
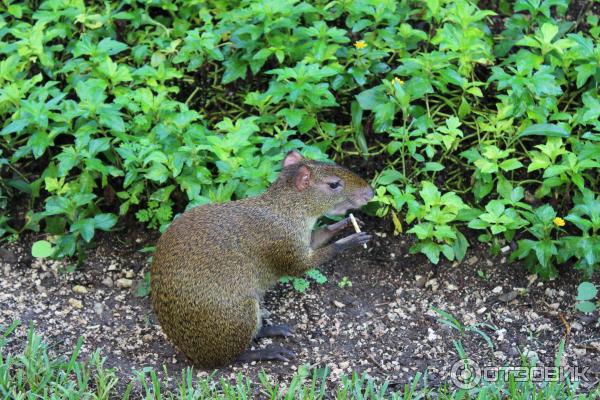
(275, 330)
(356, 239)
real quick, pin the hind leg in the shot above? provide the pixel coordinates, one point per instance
(271, 353)
(213, 334)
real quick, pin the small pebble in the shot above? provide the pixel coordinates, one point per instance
(98, 308)
(576, 326)
(579, 351)
(124, 283)
(80, 289)
(431, 336)
(508, 297)
(433, 283)
(451, 287)
(338, 304)
(75, 303)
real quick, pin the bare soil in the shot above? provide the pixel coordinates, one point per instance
(383, 325)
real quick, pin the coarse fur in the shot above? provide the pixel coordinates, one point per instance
(214, 263)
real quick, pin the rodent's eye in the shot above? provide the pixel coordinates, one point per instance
(334, 185)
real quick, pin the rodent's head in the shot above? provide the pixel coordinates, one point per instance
(331, 189)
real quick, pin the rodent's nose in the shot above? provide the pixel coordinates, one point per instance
(368, 193)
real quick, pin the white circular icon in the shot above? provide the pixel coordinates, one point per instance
(465, 374)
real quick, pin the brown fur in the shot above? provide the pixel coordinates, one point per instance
(215, 262)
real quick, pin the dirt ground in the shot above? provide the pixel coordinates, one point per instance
(383, 325)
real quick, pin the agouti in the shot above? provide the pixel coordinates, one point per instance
(214, 263)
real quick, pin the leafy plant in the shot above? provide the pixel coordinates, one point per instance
(345, 282)
(586, 293)
(451, 321)
(42, 249)
(433, 229)
(302, 284)
(126, 111)
(539, 254)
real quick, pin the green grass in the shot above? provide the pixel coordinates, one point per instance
(36, 373)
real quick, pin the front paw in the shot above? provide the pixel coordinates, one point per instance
(343, 224)
(357, 239)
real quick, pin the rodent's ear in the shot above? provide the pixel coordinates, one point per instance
(302, 178)
(291, 158)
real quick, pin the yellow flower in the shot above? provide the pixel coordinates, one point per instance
(360, 44)
(398, 80)
(558, 221)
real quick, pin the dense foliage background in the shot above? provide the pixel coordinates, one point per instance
(475, 118)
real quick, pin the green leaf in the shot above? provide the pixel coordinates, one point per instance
(547, 32)
(20, 185)
(524, 247)
(57, 205)
(111, 47)
(292, 116)
(433, 166)
(15, 10)
(448, 252)
(586, 306)
(418, 87)
(432, 251)
(430, 193)
(234, 69)
(477, 224)
(42, 249)
(85, 227)
(361, 141)
(389, 176)
(105, 221)
(384, 116)
(544, 251)
(586, 291)
(554, 170)
(91, 92)
(39, 141)
(110, 117)
(371, 98)
(15, 127)
(545, 213)
(551, 130)
(486, 166)
(464, 108)
(460, 246)
(317, 276)
(423, 230)
(495, 207)
(510, 164)
(300, 284)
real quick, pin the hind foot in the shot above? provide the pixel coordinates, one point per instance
(274, 330)
(274, 353)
